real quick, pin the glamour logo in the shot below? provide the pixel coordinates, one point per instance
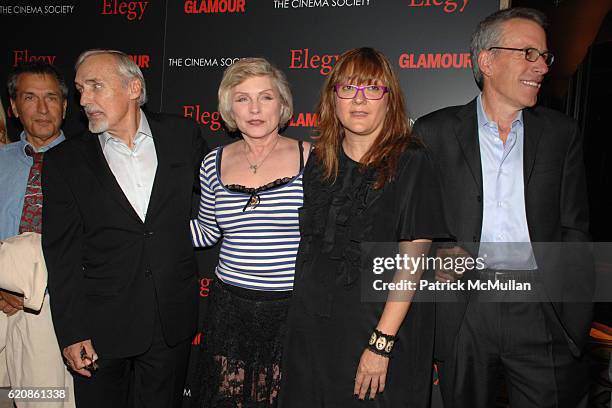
(435, 61)
(304, 59)
(132, 10)
(214, 6)
(21, 56)
(304, 120)
(449, 6)
(212, 120)
(141, 60)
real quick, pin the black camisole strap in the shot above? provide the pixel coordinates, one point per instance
(301, 147)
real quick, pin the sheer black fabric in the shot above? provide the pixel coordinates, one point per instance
(329, 326)
(241, 348)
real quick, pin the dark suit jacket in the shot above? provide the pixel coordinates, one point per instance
(555, 201)
(109, 272)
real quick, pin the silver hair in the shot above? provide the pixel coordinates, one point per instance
(127, 68)
(489, 31)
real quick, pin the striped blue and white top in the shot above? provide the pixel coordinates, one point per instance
(260, 230)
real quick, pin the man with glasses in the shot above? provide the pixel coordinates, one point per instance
(38, 95)
(513, 174)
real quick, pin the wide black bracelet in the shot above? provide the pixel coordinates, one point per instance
(381, 343)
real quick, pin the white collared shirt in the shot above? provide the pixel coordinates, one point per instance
(134, 169)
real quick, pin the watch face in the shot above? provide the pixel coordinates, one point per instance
(389, 346)
(381, 343)
(372, 339)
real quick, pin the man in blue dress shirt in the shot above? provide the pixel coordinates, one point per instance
(38, 98)
(513, 177)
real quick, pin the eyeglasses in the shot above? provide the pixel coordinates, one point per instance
(371, 92)
(531, 54)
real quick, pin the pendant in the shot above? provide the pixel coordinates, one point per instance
(253, 167)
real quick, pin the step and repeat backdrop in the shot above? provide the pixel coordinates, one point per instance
(183, 46)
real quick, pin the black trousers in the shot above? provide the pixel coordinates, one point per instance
(153, 379)
(521, 343)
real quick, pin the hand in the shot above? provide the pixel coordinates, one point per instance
(371, 373)
(15, 301)
(9, 303)
(449, 275)
(6, 308)
(76, 361)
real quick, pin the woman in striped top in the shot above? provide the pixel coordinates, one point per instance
(251, 192)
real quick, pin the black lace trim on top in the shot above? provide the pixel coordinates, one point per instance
(253, 192)
(254, 198)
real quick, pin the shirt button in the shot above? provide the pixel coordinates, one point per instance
(500, 203)
(148, 273)
(500, 237)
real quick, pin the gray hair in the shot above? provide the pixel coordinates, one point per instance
(126, 68)
(35, 67)
(489, 31)
(243, 70)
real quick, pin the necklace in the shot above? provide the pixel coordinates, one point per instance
(254, 167)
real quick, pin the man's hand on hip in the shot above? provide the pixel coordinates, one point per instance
(79, 356)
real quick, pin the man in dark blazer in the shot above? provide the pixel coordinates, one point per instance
(122, 272)
(511, 172)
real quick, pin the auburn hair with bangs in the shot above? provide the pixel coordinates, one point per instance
(363, 66)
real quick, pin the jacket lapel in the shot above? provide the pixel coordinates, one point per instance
(100, 168)
(466, 133)
(532, 131)
(163, 170)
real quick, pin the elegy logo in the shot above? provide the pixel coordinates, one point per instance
(204, 286)
(210, 119)
(214, 6)
(449, 6)
(304, 120)
(132, 10)
(303, 59)
(435, 61)
(21, 56)
(141, 60)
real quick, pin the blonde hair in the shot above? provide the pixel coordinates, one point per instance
(3, 133)
(241, 71)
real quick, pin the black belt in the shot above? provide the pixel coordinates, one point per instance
(510, 275)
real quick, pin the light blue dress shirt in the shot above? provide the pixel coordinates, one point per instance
(505, 242)
(15, 167)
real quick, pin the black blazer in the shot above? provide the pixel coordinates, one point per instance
(555, 201)
(109, 272)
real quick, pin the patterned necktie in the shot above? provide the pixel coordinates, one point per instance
(31, 216)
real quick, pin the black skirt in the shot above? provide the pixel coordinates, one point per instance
(241, 348)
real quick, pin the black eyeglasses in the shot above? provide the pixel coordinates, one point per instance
(531, 54)
(372, 92)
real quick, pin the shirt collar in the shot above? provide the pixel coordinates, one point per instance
(483, 120)
(144, 130)
(43, 149)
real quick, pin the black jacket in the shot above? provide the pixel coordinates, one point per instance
(109, 272)
(555, 202)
